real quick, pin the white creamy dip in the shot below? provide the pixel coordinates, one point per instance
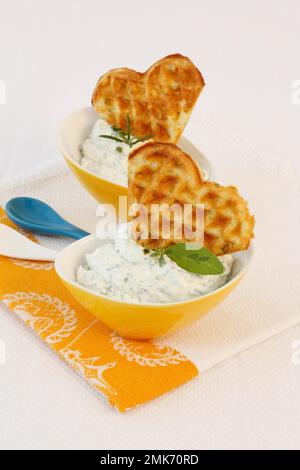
(108, 158)
(105, 157)
(120, 269)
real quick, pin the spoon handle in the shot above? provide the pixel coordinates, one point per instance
(14, 245)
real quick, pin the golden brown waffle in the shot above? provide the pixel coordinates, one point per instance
(159, 101)
(162, 173)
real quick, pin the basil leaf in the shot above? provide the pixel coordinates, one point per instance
(198, 261)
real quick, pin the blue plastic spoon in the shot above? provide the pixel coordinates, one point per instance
(36, 216)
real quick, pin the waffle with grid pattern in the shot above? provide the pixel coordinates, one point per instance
(158, 102)
(160, 173)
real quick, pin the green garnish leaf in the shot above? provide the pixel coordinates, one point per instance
(161, 260)
(142, 139)
(125, 136)
(128, 126)
(111, 137)
(198, 261)
(190, 257)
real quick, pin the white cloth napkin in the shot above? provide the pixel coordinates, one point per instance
(267, 301)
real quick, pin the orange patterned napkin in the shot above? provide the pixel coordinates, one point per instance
(128, 373)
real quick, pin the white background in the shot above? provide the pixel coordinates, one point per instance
(51, 54)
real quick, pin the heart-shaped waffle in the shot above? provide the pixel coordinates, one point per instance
(160, 173)
(158, 102)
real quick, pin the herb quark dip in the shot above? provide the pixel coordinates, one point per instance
(104, 157)
(121, 269)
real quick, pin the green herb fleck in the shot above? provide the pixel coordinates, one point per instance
(119, 149)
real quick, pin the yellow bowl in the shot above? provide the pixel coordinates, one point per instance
(136, 320)
(75, 129)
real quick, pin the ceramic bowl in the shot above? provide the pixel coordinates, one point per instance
(136, 320)
(76, 128)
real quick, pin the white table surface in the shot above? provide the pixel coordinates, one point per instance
(51, 54)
